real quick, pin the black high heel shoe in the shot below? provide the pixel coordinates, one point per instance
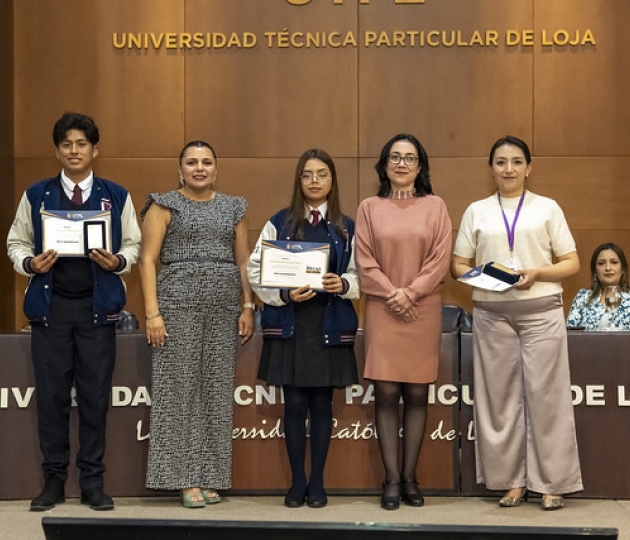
(390, 496)
(411, 493)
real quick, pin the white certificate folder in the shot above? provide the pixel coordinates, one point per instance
(490, 276)
(76, 233)
(286, 264)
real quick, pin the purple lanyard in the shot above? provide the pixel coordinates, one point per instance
(510, 229)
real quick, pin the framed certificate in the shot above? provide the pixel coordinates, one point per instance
(285, 264)
(94, 235)
(75, 234)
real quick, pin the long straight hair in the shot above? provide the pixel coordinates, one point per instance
(295, 222)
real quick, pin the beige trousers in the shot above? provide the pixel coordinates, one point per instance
(524, 423)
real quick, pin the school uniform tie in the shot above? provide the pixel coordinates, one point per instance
(77, 195)
(315, 220)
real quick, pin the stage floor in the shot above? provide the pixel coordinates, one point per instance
(18, 523)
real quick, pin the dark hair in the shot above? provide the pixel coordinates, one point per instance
(596, 286)
(422, 183)
(514, 141)
(80, 122)
(295, 221)
(196, 144)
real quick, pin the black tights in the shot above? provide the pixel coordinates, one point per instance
(298, 402)
(416, 398)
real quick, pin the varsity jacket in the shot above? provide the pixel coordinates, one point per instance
(25, 241)
(277, 318)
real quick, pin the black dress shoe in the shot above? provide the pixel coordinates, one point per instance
(411, 494)
(97, 499)
(52, 494)
(390, 497)
(293, 499)
(317, 499)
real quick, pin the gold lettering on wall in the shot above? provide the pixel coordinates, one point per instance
(184, 40)
(340, 2)
(287, 39)
(563, 37)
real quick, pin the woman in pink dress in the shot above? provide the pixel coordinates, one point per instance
(403, 247)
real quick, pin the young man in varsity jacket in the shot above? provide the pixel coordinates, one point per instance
(72, 303)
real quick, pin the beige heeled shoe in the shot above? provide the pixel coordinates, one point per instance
(509, 500)
(551, 502)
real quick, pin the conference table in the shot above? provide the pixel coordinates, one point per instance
(600, 368)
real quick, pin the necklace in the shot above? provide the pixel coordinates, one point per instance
(402, 194)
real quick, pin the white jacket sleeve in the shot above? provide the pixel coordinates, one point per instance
(131, 235)
(268, 296)
(21, 237)
(351, 276)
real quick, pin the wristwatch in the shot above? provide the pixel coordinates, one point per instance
(250, 305)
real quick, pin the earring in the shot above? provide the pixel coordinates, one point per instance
(181, 180)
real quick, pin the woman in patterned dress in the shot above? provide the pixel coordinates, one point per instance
(196, 307)
(609, 269)
(309, 335)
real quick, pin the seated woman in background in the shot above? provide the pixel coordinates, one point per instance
(606, 305)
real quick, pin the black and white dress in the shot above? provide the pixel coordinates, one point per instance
(198, 289)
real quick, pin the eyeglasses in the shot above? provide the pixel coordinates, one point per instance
(320, 176)
(409, 159)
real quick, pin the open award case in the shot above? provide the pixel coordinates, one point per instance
(491, 277)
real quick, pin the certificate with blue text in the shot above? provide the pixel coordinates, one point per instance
(286, 264)
(76, 233)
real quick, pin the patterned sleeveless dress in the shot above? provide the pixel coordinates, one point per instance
(198, 289)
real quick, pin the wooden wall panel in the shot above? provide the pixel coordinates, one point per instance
(262, 107)
(592, 191)
(457, 100)
(272, 102)
(7, 277)
(581, 105)
(65, 60)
